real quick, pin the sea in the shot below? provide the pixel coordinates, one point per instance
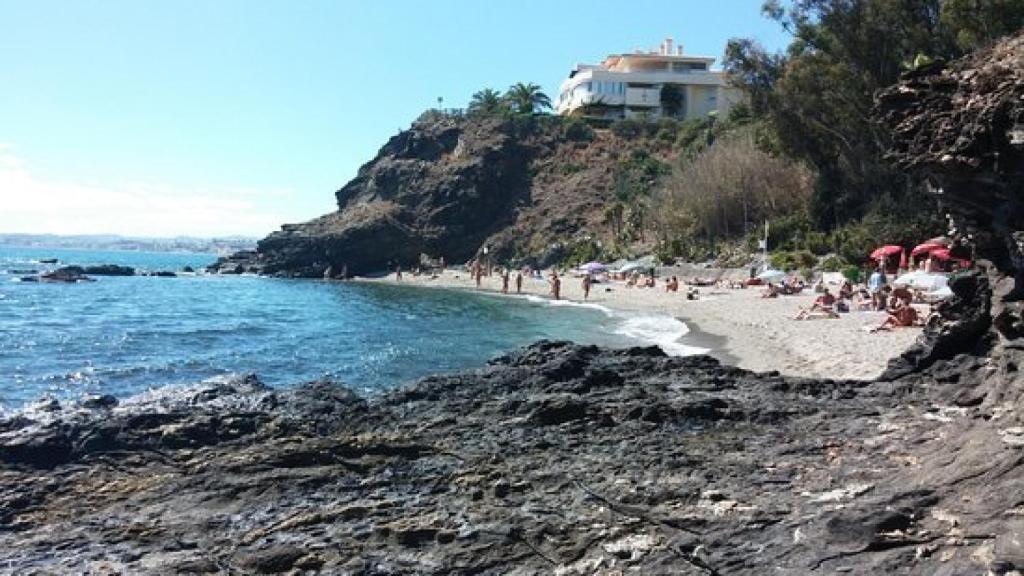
(129, 335)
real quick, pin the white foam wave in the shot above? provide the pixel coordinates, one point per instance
(570, 303)
(662, 331)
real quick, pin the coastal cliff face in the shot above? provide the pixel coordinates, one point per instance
(961, 127)
(448, 187)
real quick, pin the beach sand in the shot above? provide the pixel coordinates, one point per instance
(744, 329)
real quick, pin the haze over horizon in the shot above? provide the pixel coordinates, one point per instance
(231, 118)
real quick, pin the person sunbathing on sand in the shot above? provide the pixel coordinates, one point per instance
(770, 291)
(672, 285)
(823, 307)
(903, 317)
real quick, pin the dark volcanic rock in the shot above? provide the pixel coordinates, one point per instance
(109, 270)
(69, 274)
(670, 466)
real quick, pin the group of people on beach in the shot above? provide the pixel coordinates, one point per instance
(875, 295)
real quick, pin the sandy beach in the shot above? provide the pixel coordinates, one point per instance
(752, 332)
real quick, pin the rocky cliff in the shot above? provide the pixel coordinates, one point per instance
(961, 127)
(447, 187)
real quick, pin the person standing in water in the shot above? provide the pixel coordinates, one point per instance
(586, 286)
(556, 285)
(519, 282)
(504, 280)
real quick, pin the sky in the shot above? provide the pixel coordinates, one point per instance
(222, 117)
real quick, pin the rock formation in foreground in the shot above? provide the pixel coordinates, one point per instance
(448, 187)
(554, 459)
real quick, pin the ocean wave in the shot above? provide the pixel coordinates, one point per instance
(570, 303)
(662, 330)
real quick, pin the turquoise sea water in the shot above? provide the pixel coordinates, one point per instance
(125, 335)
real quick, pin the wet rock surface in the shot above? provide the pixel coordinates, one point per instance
(556, 458)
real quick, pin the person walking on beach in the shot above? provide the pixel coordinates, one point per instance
(398, 273)
(586, 286)
(875, 284)
(442, 264)
(476, 271)
(519, 282)
(556, 285)
(504, 280)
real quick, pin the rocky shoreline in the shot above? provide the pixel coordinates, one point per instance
(556, 458)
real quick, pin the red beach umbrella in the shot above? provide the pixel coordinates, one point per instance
(886, 251)
(928, 248)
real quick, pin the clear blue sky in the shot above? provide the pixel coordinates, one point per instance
(221, 116)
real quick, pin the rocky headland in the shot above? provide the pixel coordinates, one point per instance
(526, 188)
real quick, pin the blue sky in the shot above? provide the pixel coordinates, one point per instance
(215, 117)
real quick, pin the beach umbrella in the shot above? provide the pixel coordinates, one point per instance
(928, 248)
(772, 276)
(593, 267)
(886, 251)
(631, 266)
(940, 240)
(922, 280)
(941, 293)
(883, 253)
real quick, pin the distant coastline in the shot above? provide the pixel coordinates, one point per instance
(180, 244)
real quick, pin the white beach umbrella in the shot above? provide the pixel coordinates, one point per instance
(772, 276)
(922, 280)
(631, 266)
(941, 293)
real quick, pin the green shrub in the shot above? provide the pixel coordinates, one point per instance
(582, 252)
(816, 242)
(788, 232)
(832, 264)
(627, 129)
(853, 274)
(577, 130)
(792, 260)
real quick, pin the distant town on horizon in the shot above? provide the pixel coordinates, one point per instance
(214, 245)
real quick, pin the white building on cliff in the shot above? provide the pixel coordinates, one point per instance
(630, 85)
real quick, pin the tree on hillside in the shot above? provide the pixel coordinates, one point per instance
(671, 99)
(527, 98)
(818, 97)
(487, 102)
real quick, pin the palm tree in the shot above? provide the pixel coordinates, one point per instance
(486, 102)
(527, 98)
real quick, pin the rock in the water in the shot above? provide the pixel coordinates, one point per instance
(68, 274)
(109, 270)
